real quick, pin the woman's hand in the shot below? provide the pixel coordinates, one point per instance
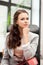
(25, 30)
(26, 34)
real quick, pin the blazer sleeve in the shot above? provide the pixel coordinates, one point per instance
(30, 48)
(5, 58)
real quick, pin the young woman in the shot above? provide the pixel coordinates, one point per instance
(20, 42)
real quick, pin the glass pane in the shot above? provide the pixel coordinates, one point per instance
(5, 0)
(35, 12)
(3, 19)
(22, 2)
(13, 10)
(3, 25)
(26, 3)
(35, 18)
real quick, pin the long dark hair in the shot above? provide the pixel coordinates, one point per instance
(14, 38)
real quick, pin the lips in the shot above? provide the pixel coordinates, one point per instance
(25, 24)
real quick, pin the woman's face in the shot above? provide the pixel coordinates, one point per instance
(23, 20)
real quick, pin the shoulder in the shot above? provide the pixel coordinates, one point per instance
(6, 40)
(33, 35)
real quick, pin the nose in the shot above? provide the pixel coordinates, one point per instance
(26, 21)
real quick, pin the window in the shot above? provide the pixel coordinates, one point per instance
(3, 25)
(3, 19)
(22, 2)
(35, 12)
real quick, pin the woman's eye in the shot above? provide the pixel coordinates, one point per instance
(22, 19)
(27, 18)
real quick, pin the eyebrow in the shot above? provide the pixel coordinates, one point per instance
(24, 17)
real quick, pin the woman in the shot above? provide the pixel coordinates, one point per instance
(20, 42)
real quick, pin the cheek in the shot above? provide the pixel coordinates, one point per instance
(21, 23)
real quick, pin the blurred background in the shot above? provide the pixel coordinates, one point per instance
(7, 10)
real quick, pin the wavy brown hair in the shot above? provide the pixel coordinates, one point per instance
(14, 38)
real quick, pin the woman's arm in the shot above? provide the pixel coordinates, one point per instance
(29, 49)
(5, 58)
